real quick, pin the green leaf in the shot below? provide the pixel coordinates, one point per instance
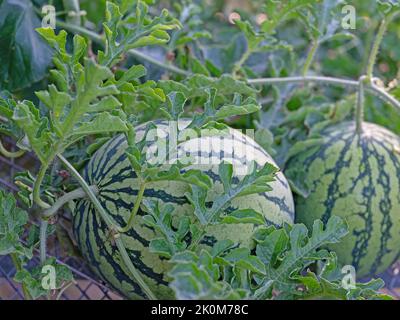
(248, 106)
(160, 247)
(225, 171)
(161, 220)
(39, 275)
(244, 216)
(302, 248)
(196, 85)
(176, 173)
(281, 11)
(24, 56)
(212, 112)
(36, 128)
(133, 73)
(12, 221)
(125, 32)
(102, 123)
(196, 277)
(175, 105)
(256, 182)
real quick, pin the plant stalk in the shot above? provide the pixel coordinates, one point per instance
(36, 187)
(239, 64)
(43, 240)
(128, 262)
(310, 57)
(135, 208)
(10, 154)
(73, 195)
(103, 213)
(301, 79)
(377, 42)
(360, 105)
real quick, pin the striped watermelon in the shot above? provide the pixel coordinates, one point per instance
(111, 171)
(357, 177)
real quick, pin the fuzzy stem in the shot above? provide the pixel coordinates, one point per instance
(18, 267)
(239, 64)
(10, 154)
(380, 92)
(135, 208)
(107, 219)
(377, 42)
(36, 187)
(75, 194)
(360, 105)
(301, 79)
(43, 240)
(310, 57)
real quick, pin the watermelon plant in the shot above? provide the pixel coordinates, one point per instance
(136, 129)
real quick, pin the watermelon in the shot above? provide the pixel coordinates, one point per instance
(110, 170)
(355, 176)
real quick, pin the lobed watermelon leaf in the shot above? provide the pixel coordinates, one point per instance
(280, 267)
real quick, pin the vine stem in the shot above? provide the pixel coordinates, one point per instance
(43, 240)
(301, 79)
(384, 94)
(73, 195)
(239, 64)
(135, 208)
(377, 42)
(10, 154)
(360, 104)
(310, 57)
(374, 89)
(114, 228)
(107, 219)
(18, 267)
(128, 262)
(36, 187)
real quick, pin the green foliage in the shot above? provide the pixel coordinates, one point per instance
(24, 56)
(280, 268)
(129, 30)
(93, 93)
(34, 279)
(257, 181)
(12, 222)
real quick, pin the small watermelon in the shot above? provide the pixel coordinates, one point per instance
(355, 176)
(110, 170)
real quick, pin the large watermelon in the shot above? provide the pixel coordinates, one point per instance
(357, 177)
(111, 171)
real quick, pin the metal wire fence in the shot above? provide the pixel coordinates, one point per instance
(86, 285)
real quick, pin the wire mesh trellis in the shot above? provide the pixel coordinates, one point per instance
(86, 285)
